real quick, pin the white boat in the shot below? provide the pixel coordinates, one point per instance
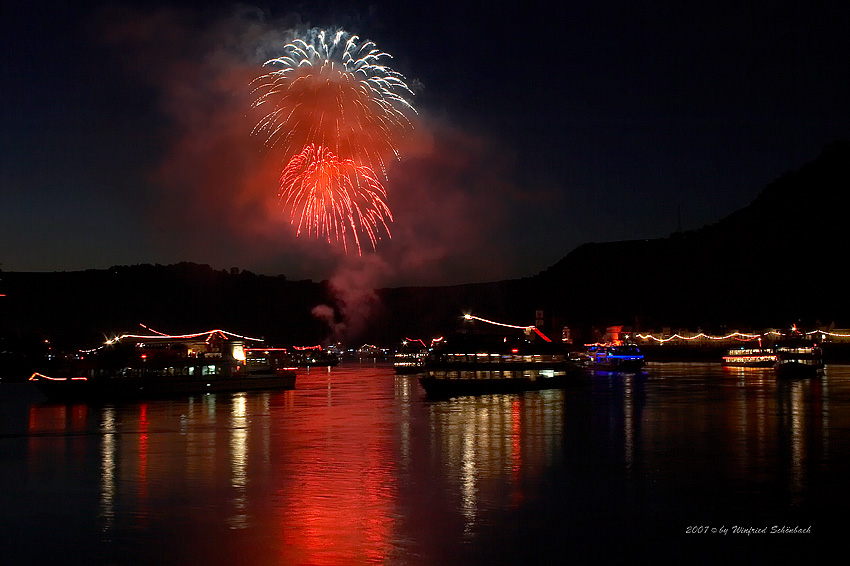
(478, 364)
(160, 364)
(789, 359)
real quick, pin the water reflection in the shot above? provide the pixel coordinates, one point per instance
(336, 499)
(107, 468)
(763, 432)
(491, 442)
(239, 460)
(356, 466)
(143, 453)
(802, 416)
(406, 390)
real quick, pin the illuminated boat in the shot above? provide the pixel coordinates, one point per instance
(476, 364)
(789, 359)
(409, 362)
(410, 357)
(625, 358)
(309, 356)
(156, 365)
(750, 358)
(798, 359)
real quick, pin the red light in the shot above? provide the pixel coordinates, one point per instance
(514, 351)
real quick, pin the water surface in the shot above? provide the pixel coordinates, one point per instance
(357, 466)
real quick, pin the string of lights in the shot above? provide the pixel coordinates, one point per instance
(734, 335)
(152, 330)
(744, 337)
(828, 333)
(162, 336)
(468, 316)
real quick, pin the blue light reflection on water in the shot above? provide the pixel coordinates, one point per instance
(356, 466)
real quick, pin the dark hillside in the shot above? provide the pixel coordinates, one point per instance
(773, 262)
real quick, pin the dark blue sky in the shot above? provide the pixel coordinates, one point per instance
(123, 140)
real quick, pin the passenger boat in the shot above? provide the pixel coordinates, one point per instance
(309, 356)
(159, 364)
(477, 364)
(788, 359)
(798, 360)
(750, 358)
(624, 358)
(409, 362)
(410, 357)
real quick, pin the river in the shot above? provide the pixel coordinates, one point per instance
(687, 462)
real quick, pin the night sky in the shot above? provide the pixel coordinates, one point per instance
(126, 129)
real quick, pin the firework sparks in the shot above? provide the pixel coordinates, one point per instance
(330, 197)
(335, 109)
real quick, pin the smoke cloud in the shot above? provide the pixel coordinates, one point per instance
(215, 191)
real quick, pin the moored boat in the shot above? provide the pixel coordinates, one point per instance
(789, 359)
(750, 358)
(798, 360)
(310, 356)
(410, 357)
(623, 358)
(157, 365)
(476, 364)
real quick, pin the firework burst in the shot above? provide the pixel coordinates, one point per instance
(334, 198)
(334, 108)
(337, 94)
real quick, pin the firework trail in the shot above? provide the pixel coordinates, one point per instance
(330, 196)
(333, 95)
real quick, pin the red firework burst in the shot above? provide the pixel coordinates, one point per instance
(334, 198)
(337, 112)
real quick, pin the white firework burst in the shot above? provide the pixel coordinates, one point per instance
(335, 91)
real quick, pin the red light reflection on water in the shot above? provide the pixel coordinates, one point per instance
(57, 418)
(343, 509)
(143, 451)
(340, 470)
(516, 449)
(50, 446)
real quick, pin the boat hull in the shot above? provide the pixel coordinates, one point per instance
(120, 388)
(619, 366)
(788, 360)
(454, 382)
(759, 365)
(407, 364)
(612, 358)
(796, 370)
(408, 369)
